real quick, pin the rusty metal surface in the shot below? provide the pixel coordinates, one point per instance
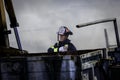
(11, 51)
(4, 41)
(14, 68)
(35, 67)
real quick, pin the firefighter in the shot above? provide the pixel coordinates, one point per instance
(63, 43)
(53, 64)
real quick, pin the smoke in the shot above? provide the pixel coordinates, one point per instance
(40, 19)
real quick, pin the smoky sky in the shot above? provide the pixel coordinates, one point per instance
(39, 21)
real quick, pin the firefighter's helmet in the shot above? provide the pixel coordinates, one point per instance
(63, 30)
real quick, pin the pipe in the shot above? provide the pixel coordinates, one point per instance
(95, 22)
(103, 21)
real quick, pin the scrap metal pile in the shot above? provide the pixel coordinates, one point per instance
(18, 64)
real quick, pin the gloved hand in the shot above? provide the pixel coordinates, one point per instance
(63, 48)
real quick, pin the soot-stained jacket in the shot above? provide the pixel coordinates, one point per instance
(61, 44)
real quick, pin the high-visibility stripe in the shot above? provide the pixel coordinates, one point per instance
(55, 49)
(52, 47)
(66, 45)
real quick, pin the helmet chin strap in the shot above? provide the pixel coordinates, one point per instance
(58, 41)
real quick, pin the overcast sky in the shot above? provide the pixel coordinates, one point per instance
(39, 21)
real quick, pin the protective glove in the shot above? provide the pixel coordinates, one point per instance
(63, 48)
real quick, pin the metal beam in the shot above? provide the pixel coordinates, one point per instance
(4, 40)
(11, 13)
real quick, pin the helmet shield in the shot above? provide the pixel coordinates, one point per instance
(64, 31)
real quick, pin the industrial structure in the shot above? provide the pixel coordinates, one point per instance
(18, 64)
